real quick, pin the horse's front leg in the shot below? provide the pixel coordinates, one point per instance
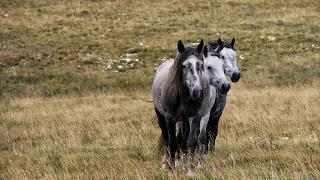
(179, 142)
(192, 142)
(202, 138)
(212, 132)
(172, 143)
(184, 145)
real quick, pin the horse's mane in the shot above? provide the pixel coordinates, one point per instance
(214, 45)
(214, 53)
(227, 44)
(176, 77)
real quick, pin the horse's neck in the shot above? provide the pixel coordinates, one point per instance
(221, 96)
(219, 104)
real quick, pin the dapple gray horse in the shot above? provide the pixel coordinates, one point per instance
(198, 128)
(229, 58)
(214, 70)
(181, 90)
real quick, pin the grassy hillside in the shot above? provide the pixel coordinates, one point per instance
(67, 111)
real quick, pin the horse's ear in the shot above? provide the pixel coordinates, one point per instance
(220, 45)
(205, 51)
(180, 46)
(200, 46)
(233, 41)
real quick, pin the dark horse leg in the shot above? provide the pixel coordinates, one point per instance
(179, 140)
(212, 132)
(192, 141)
(164, 134)
(172, 143)
(182, 137)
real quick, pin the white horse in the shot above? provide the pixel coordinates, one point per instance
(214, 73)
(191, 105)
(229, 58)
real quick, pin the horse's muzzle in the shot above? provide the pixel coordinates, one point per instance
(197, 93)
(235, 77)
(225, 88)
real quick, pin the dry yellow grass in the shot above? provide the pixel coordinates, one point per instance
(266, 133)
(64, 116)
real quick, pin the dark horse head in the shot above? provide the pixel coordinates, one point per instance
(188, 68)
(228, 56)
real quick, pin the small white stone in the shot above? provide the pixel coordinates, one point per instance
(126, 59)
(141, 43)
(130, 55)
(120, 67)
(284, 138)
(271, 38)
(6, 15)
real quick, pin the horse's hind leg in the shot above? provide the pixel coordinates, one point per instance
(164, 135)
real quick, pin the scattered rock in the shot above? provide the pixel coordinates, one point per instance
(130, 55)
(125, 59)
(271, 38)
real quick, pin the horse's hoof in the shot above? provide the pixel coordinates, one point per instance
(199, 165)
(177, 163)
(211, 149)
(165, 166)
(191, 173)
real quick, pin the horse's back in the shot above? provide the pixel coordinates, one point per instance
(158, 82)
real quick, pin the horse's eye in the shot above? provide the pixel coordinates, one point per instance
(183, 66)
(222, 57)
(209, 67)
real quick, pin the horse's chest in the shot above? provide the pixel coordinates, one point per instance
(191, 109)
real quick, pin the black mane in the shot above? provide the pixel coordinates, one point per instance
(214, 45)
(177, 65)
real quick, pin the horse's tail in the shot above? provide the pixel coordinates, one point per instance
(161, 144)
(161, 121)
(147, 100)
(154, 119)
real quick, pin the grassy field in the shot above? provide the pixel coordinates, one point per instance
(71, 107)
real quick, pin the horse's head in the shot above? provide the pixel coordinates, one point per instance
(229, 58)
(214, 69)
(189, 66)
